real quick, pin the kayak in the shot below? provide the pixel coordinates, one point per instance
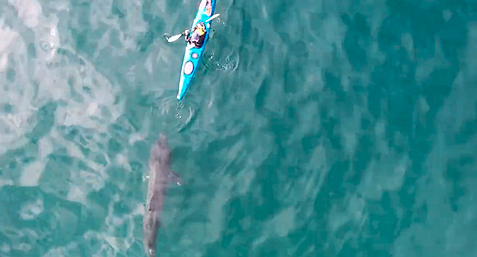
(193, 55)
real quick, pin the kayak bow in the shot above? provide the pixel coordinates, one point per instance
(193, 55)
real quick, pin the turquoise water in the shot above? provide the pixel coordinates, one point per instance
(314, 128)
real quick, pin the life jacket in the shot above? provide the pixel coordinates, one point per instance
(200, 31)
(197, 39)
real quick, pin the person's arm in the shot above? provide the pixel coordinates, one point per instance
(187, 35)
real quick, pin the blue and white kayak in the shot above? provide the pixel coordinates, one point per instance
(193, 55)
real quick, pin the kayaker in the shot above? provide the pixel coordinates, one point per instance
(198, 35)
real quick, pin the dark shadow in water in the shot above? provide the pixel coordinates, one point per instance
(295, 66)
(46, 121)
(156, 26)
(357, 37)
(85, 39)
(456, 175)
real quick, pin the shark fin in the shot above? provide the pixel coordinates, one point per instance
(175, 178)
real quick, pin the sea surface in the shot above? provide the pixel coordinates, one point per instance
(313, 128)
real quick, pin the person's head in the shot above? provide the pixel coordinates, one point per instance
(201, 29)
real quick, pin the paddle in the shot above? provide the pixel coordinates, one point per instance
(213, 17)
(175, 37)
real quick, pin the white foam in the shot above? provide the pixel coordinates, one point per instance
(31, 210)
(29, 11)
(32, 173)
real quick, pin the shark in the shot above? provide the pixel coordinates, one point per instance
(160, 175)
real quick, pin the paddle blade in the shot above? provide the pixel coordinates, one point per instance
(213, 17)
(174, 38)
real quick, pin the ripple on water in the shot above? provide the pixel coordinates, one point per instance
(227, 62)
(46, 89)
(15, 95)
